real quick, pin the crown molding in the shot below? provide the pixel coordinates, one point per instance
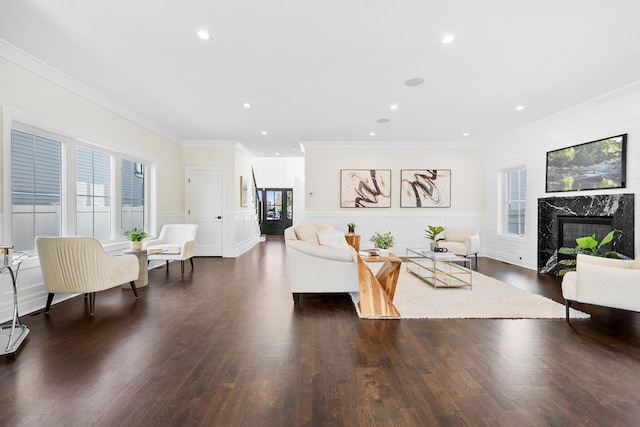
(41, 69)
(389, 144)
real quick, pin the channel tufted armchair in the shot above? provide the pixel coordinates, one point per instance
(80, 265)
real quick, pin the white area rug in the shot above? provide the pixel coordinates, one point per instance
(489, 299)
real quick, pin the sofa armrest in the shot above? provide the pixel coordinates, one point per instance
(608, 286)
(473, 244)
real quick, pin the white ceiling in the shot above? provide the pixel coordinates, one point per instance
(327, 70)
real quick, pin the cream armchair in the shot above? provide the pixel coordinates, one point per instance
(320, 260)
(79, 265)
(177, 243)
(461, 241)
(603, 281)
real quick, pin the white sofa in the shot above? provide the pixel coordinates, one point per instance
(320, 260)
(461, 241)
(603, 281)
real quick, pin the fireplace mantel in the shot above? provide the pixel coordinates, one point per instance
(620, 207)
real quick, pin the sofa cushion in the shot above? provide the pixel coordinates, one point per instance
(306, 233)
(332, 238)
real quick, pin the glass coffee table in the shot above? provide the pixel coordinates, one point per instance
(440, 269)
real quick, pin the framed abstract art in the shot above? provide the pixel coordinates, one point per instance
(425, 188)
(365, 188)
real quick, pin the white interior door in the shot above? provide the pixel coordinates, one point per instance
(204, 205)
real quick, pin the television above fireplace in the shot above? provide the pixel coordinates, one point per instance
(593, 165)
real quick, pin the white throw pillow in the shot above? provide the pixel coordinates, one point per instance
(331, 238)
(306, 233)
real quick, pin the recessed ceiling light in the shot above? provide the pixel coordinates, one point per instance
(415, 81)
(372, 134)
(203, 34)
(277, 154)
(520, 108)
(264, 132)
(246, 105)
(393, 107)
(448, 38)
(465, 134)
(383, 120)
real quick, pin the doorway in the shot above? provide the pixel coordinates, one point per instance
(277, 209)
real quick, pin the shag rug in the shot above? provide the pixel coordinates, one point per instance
(488, 299)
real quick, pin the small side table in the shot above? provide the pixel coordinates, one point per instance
(143, 272)
(12, 333)
(353, 239)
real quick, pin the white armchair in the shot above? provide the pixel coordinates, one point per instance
(603, 281)
(177, 243)
(461, 241)
(80, 265)
(320, 260)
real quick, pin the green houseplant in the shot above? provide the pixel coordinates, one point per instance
(351, 227)
(382, 242)
(135, 236)
(432, 234)
(587, 245)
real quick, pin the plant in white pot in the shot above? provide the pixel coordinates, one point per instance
(135, 236)
(383, 242)
(432, 234)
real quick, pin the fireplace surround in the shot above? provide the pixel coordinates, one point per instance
(617, 209)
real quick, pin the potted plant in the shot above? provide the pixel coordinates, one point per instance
(351, 227)
(587, 245)
(383, 242)
(432, 234)
(135, 236)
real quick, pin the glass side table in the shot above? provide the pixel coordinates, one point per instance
(12, 333)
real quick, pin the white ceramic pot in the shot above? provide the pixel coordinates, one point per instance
(384, 252)
(136, 246)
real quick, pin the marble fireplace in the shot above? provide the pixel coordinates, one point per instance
(569, 217)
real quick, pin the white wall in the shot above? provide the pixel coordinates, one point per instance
(322, 187)
(614, 114)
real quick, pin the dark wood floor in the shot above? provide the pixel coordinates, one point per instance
(224, 346)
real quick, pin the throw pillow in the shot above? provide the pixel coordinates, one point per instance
(306, 233)
(332, 238)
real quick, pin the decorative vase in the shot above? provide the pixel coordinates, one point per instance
(383, 253)
(136, 246)
(434, 247)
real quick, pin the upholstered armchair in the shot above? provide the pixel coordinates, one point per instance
(80, 265)
(320, 260)
(176, 242)
(603, 281)
(461, 241)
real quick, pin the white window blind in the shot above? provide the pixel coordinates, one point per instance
(516, 201)
(93, 194)
(132, 195)
(36, 188)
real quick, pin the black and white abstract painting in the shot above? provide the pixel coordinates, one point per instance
(365, 188)
(425, 188)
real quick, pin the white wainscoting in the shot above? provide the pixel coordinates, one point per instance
(241, 234)
(408, 229)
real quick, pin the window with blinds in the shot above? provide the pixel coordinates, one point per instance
(93, 194)
(36, 188)
(132, 195)
(516, 201)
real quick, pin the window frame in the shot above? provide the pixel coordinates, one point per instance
(70, 140)
(505, 200)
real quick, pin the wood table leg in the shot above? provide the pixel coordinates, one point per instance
(374, 300)
(388, 275)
